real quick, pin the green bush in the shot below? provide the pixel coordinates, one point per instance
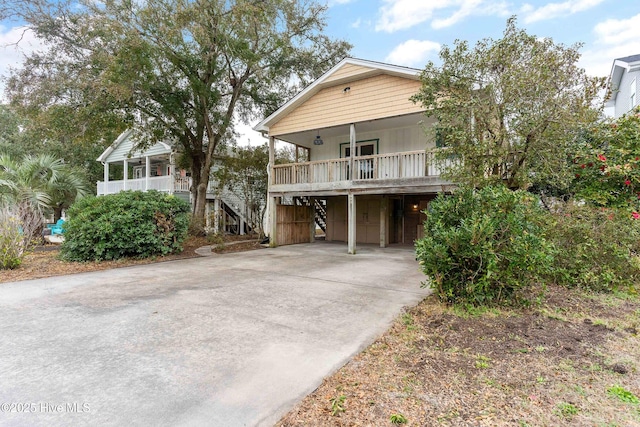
(127, 224)
(597, 248)
(484, 247)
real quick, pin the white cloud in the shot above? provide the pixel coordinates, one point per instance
(15, 43)
(614, 38)
(616, 31)
(402, 14)
(554, 10)
(357, 23)
(412, 53)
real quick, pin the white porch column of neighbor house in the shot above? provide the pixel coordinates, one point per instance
(147, 175)
(207, 216)
(105, 184)
(125, 174)
(216, 215)
(273, 241)
(351, 199)
(172, 174)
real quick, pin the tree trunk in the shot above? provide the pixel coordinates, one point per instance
(57, 214)
(200, 182)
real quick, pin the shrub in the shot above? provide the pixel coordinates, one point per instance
(126, 224)
(482, 247)
(597, 248)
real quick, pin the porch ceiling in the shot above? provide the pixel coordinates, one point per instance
(305, 138)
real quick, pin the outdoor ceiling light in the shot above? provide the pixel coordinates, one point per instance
(318, 141)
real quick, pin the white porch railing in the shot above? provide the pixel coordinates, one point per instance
(410, 164)
(159, 183)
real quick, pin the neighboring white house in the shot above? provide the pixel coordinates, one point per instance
(371, 171)
(154, 169)
(624, 85)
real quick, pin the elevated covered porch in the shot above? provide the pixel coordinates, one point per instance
(366, 141)
(375, 195)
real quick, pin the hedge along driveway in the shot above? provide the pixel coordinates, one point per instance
(231, 340)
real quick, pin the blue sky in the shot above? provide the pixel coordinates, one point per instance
(411, 32)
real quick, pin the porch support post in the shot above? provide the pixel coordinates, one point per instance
(351, 209)
(352, 149)
(384, 220)
(216, 215)
(272, 203)
(147, 167)
(172, 174)
(207, 216)
(241, 227)
(312, 225)
(105, 185)
(125, 174)
(273, 226)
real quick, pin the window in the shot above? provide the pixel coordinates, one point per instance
(367, 147)
(632, 94)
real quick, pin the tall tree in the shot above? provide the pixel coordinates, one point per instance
(176, 69)
(10, 133)
(511, 110)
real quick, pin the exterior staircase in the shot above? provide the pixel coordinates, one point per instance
(320, 210)
(238, 219)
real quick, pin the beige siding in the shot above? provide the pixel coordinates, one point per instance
(368, 99)
(349, 70)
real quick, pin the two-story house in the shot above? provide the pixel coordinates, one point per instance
(371, 170)
(154, 169)
(624, 85)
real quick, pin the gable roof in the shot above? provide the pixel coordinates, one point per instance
(124, 139)
(349, 69)
(620, 66)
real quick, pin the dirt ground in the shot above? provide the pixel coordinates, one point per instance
(573, 360)
(44, 262)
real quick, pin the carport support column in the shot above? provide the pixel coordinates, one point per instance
(384, 220)
(351, 226)
(273, 226)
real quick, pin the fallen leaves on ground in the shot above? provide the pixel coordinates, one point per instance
(44, 261)
(552, 364)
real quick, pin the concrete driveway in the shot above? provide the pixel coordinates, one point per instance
(228, 340)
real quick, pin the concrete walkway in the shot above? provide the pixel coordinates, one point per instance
(231, 340)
